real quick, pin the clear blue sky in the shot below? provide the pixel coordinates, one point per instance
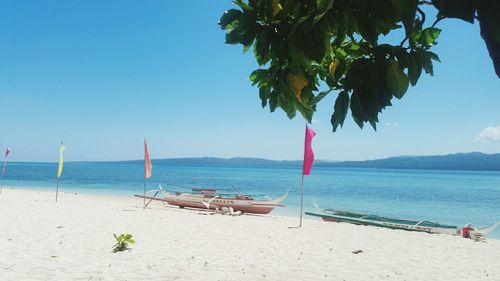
(102, 75)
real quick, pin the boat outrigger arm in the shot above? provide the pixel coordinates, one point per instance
(487, 230)
(207, 204)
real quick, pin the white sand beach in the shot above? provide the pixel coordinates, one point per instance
(72, 240)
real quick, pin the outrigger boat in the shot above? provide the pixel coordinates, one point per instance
(331, 215)
(209, 199)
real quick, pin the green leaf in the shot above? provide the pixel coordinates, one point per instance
(414, 69)
(242, 4)
(415, 37)
(233, 37)
(339, 71)
(462, 9)
(306, 112)
(264, 94)
(228, 17)
(314, 44)
(397, 81)
(320, 96)
(322, 8)
(424, 57)
(487, 12)
(261, 50)
(433, 56)
(354, 77)
(489, 23)
(367, 30)
(373, 123)
(357, 111)
(273, 101)
(407, 10)
(340, 110)
(257, 75)
(429, 36)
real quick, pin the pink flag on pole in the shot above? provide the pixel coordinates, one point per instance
(147, 162)
(308, 152)
(7, 152)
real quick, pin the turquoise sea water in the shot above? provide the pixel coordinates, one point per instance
(450, 197)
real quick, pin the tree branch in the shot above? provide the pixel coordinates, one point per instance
(438, 19)
(422, 15)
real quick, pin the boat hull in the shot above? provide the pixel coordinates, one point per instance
(410, 225)
(213, 202)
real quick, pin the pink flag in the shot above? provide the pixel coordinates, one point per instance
(7, 152)
(147, 162)
(308, 152)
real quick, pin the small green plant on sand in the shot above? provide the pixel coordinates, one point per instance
(122, 242)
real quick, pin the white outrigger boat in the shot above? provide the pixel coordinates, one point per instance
(209, 199)
(331, 215)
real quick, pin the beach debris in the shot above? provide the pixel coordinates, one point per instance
(9, 267)
(122, 242)
(227, 211)
(357, 252)
(59, 227)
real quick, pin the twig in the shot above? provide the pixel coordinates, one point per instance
(438, 19)
(422, 15)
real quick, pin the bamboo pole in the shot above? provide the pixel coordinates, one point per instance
(144, 203)
(150, 200)
(57, 187)
(301, 200)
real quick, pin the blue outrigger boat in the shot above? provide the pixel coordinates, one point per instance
(331, 215)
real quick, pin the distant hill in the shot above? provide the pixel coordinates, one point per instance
(214, 161)
(473, 161)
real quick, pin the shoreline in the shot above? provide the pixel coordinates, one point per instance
(290, 211)
(72, 239)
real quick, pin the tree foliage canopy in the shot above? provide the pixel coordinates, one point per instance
(304, 45)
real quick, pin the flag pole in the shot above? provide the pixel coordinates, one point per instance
(147, 171)
(144, 203)
(7, 151)
(57, 187)
(301, 200)
(59, 167)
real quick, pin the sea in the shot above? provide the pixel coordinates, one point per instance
(449, 197)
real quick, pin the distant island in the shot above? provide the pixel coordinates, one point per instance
(473, 161)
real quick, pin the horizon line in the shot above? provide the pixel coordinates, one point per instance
(257, 158)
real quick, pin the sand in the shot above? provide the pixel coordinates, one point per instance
(73, 238)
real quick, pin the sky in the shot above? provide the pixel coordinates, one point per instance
(104, 75)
